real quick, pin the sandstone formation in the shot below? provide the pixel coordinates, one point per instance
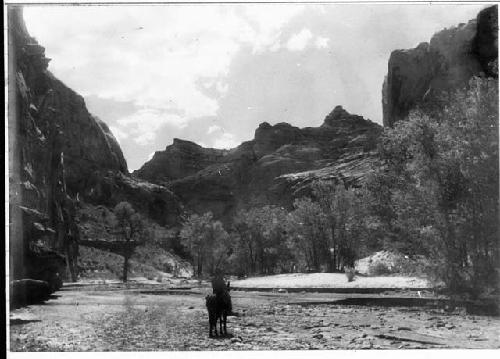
(265, 169)
(418, 76)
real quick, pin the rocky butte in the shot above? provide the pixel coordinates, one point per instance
(273, 168)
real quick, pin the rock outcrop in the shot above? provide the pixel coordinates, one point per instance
(418, 76)
(151, 200)
(266, 169)
(181, 159)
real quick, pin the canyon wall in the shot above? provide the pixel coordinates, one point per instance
(59, 157)
(446, 63)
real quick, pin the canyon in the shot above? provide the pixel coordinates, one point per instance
(63, 160)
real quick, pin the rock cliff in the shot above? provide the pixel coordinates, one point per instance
(418, 76)
(265, 169)
(59, 157)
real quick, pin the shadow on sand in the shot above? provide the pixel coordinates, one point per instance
(23, 321)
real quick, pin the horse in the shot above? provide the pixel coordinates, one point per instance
(219, 306)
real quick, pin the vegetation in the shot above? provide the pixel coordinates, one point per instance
(260, 241)
(130, 227)
(441, 174)
(318, 235)
(207, 242)
(434, 196)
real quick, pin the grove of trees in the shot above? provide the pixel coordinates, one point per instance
(324, 234)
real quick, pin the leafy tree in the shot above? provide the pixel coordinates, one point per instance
(443, 171)
(311, 233)
(130, 227)
(260, 237)
(331, 227)
(207, 241)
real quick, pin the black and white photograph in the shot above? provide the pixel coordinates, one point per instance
(252, 176)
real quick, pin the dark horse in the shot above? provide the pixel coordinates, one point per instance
(219, 307)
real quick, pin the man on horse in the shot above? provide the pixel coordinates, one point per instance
(218, 283)
(219, 303)
(221, 289)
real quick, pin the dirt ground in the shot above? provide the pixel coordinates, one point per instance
(114, 318)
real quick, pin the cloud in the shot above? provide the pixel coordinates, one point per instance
(220, 138)
(213, 128)
(226, 141)
(157, 72)
(144, 124)
(267, 21)
(118, 133)
(152, 54)
(321, 42)
(299, 41)
(150, 157)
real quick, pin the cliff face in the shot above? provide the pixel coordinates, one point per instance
(446, 63)
(60, 156)
(255, 173)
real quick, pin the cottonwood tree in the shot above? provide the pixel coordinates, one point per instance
(310, 228)
(130, 227)
(444, 185)
(330, 227)
(207, 241)
(260, 240)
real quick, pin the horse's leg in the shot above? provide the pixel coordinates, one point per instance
(220, 324)
(211, 324)
(225, 323)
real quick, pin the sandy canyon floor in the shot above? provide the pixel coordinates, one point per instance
(152, 318)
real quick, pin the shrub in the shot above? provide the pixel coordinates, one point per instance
(379, 268)
(415, 266)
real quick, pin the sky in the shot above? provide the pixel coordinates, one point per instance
(211, 73)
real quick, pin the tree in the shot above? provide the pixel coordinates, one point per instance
(311, 233)
(443, 167)
(130, 227)
(207, 241)
(260, 240)
(345, 211)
